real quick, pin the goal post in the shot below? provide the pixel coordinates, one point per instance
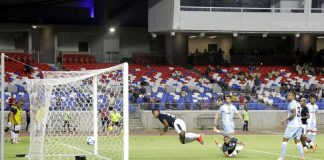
(2, 106)
(67, 109)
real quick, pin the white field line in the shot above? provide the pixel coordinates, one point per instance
(277, 154)
(78, 149)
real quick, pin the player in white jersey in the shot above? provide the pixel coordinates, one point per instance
(294, 127)
(227, 112)
(311, 128)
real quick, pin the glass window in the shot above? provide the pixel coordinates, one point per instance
(200, 3)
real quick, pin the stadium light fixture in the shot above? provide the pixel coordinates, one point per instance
(264, 35)
(321, 37)
(153, 35)
(192, 36)
(172, 33)
(283, 37)
(297, 35)
(211, 37)
(34, 26)
(202, 34)
(235, 34)
(112, 29)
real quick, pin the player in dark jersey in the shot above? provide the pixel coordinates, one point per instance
(230, 147)
(304, 116)
(179, 125)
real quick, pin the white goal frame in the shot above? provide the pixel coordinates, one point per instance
(92, 73)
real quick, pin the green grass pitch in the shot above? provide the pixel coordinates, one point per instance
(258, 147)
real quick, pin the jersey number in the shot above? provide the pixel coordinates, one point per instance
(298, 112)
(171, 115)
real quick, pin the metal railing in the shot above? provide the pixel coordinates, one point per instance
(213, 106)
(242, 9)
(317, 10)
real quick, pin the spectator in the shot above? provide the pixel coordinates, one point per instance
(257, 81)
(27, 67)
(67, 119)
(208, 70)
(12, 100)
(246, 118)
(247, 88)
(144, 83)
(219, 102)
(142, 90)
(104, 115)
(183, 93)
(111, 99)
(58, 103)
(27, 118)
(241, 102)
(233, 97)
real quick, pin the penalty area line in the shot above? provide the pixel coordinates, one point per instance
(277, 154)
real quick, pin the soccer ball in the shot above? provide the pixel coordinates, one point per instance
(91, 140)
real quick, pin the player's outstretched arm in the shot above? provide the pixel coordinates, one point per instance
(165, 128)
(220, 132)
(216, 118)
(226, 154)
(240, 117)
(241, 143)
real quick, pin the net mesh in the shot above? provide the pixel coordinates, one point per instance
(71, 110)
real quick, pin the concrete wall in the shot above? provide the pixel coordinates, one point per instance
(234, 21)
(7, 41)
(70, 41)
(201, 43)
(259, 120)
(319, 44)
(47, 45)
(132, 40)
(160, 15)
(180, 49)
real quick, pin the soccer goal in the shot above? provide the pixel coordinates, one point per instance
(65, 114)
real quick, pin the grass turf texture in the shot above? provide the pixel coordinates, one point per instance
(258, 147)
(169, 148)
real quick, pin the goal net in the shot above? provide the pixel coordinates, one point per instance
(79, 113)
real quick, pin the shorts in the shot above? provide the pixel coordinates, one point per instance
(304, 128)
(312, 127)
(228, 127)
(16, 127)
(293, 133)
(179, 126)
(116, 124)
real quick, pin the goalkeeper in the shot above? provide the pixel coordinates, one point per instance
(115, 118)
(67, 119)
(229, 147)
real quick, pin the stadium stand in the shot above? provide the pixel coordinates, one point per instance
(175, 87)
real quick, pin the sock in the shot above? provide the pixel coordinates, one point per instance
(17, 136)
(12, 135)
(300, 150)
(309, 135)
(189, 137)
(283, 149)
(314, 137)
